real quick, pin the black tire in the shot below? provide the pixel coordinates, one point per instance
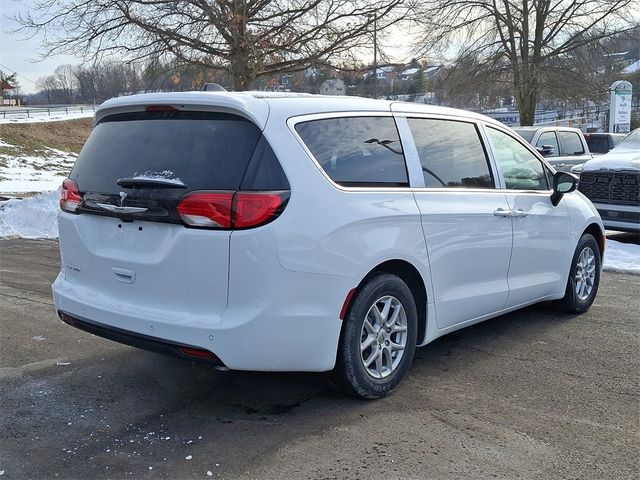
(572, 301)
(350, 372)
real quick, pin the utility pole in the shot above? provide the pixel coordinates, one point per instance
(375, 55)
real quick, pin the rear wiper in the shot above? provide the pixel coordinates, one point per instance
(150, 182)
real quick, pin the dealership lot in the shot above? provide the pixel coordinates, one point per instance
(533, 394)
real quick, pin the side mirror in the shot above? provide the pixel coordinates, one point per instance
(545, 150)
(563, 182)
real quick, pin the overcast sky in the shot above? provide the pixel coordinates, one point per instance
(18, 54)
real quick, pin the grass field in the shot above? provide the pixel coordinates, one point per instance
(33, 138)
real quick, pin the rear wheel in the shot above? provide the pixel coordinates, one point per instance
(378, 338)
(584, 276)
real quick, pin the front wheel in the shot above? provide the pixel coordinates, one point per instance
(378, 338)
(584, 276)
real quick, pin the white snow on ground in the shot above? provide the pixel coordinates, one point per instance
(26, 173)
(622, 257)
(37, 217)
(43, 116)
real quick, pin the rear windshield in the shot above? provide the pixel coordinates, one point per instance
(195, 150)
(526, 134)
(597, 144)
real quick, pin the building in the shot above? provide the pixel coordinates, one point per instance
(334, 86)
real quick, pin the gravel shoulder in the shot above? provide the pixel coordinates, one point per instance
(532, 394)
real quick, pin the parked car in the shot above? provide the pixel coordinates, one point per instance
(307, 233)
(601, 143)
(612, 183)
(562, 147)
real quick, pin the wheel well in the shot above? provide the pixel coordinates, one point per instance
(413, 279)
(598, 234)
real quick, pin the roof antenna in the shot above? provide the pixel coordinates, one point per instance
(213, 87)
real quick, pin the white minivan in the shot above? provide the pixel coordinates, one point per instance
(284, 232)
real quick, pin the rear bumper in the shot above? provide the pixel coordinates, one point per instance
(135, 339)
(293, 329)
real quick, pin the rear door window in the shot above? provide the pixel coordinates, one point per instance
(451, 154)
(571, 143)
(357, 151)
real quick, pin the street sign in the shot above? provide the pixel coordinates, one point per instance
(620, 107)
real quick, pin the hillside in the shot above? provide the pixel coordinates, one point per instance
(36, 157)
(31, 138)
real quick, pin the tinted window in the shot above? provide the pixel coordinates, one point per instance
(205, 151)
(264, 171)
(357, 151)
(521, 169)
(571, 143)
(549, 138)
(526, 134)
(599, 144)
(451, 154)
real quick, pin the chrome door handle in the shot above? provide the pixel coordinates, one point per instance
(501, 212)
(519, 213)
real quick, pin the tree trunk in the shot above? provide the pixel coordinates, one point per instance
(527, 109)
(527, 94)
(241, 81)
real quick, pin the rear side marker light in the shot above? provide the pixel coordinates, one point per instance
(231, 210)
(347, 302)
(197, 353)
(69, 196)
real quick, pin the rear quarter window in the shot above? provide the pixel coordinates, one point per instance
(357, 151)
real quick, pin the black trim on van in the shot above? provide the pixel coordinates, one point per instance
(137, 340)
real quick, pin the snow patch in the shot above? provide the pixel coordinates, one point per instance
(621, 257)
(28, 173)
(35, 217)
(41, 115)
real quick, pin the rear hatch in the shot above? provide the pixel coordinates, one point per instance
(147, 222)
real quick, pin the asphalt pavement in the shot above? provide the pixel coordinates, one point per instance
(533, 394)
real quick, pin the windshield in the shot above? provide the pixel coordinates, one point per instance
(630, 142)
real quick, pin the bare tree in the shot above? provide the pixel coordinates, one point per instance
(245, 38)
(528, 40)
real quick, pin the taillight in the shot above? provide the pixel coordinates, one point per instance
(229, 210)
(251, 209)
(211, 210)
(69, 196)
